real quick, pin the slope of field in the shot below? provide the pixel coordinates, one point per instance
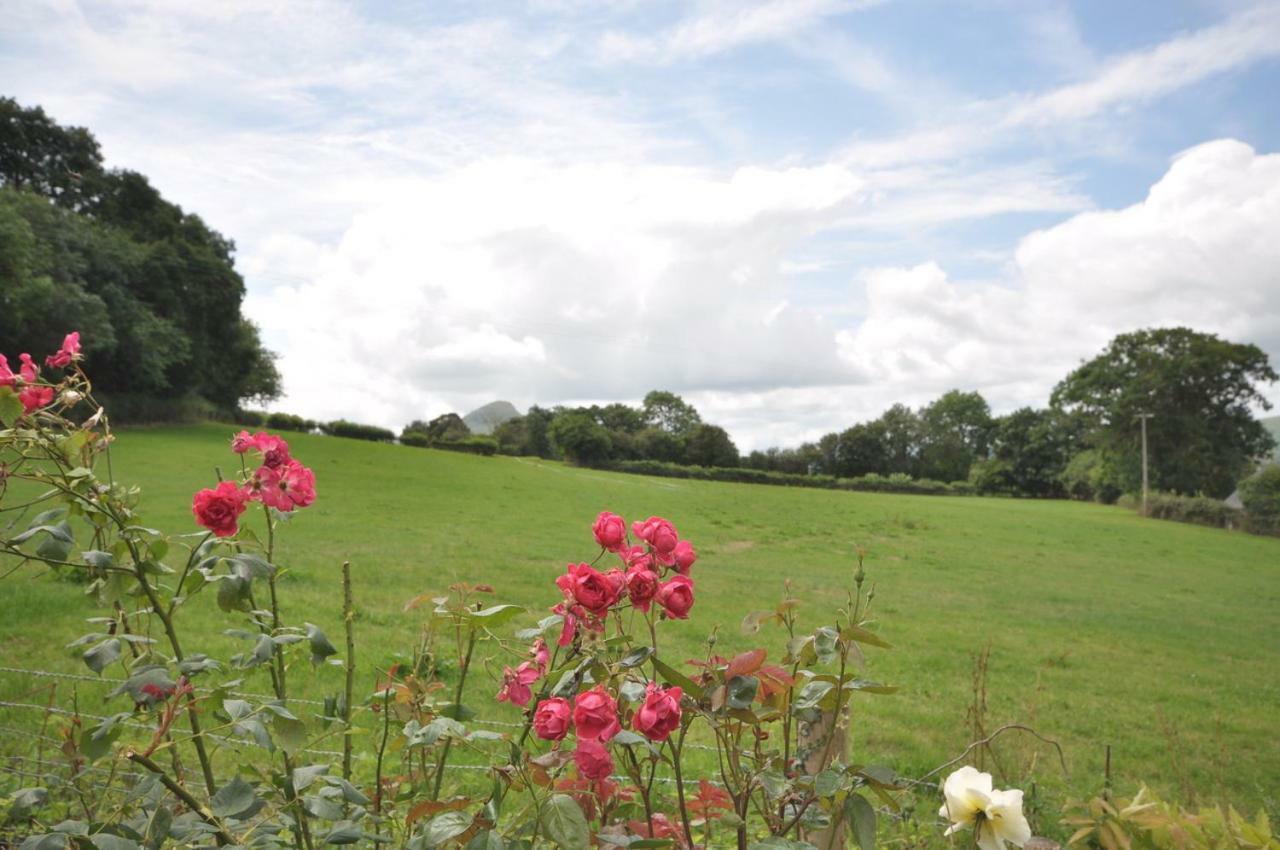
(1158, 638)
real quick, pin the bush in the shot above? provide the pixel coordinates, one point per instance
(896, 483)
(1261, 496)
(486, 446)
(1200, 510)
(249, 418)
(357, 431)
(289, 422)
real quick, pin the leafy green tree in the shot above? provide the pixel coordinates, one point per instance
(670, 412)
(448, 427)
(657, 444)
(901, 428)
(1032, 448)
(955, 431)
(582, 439)
(38, 155)
(538, 425)
(710, 445)
(1200, 389)
(863, 449)
(1260, 494)
(513, 436)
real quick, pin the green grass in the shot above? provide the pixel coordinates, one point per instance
(1160, 639)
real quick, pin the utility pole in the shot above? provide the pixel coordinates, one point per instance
(1144, 417)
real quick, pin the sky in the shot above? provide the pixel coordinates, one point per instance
(794, 214)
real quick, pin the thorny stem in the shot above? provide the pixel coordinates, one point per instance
(182, 794)
(348, 618)
(457, 705)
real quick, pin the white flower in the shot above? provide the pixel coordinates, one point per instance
(997, 815)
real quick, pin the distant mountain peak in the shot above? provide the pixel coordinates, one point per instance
(484, 419)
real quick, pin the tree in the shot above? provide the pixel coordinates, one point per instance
(513, 436)
(38, 155)
(955, 431)
(1260, 494)
(1030, 450)
(863, 450)
(901, 428)
(582, 439)
(1202, 436)
(538, 425)
(447, 427)
(710, 445)
(669, 412)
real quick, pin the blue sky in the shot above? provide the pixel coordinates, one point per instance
(793, 213)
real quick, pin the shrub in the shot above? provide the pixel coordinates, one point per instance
(1261, 496)
(249, 418)
(138, 409)
(896, 483)
(357, 431)
(486, 446)
(1201, 510)
(290, 422)
(416, 439)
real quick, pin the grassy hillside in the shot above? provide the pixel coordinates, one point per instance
(1159, 638)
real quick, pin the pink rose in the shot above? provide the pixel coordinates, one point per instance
(642, 586)
(69, 351)
(541, 655)
(219, 509)
(595, 713)
(593, 760)
(635, 555)
(569, 628)
(684, 556)
(676, 597)
(35, 397)
(610, 531)
(7, 378)
(286, 487)
(29, 371)
(659, 534)
(275, 451)
(588, 588)
(515, 683)
(551, 719)
(660, 714)
(242, 443)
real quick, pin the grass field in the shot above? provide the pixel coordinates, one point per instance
(1160, 639)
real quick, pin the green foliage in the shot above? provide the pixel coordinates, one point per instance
(1201, 510)
(1090, 475)
(357, 431)
(1260, 494)
(290, 422)
(1199, 389)
(580, 437)
(955, 431)
(670, 412)
(478, 445)
(446, 427)
(709, 445)
(152, 289)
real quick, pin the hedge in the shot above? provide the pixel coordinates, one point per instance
(896, 483)
(1199, 510)
(357, 431)
(471, 445)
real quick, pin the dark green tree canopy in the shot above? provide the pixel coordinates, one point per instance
(710, 445)
(153, 289)
(1199, 389)
(670, 412)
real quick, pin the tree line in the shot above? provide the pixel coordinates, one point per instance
(152, 289)
(1202, 436)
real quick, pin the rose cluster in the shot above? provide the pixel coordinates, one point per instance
(589, 594)
(25, 381)
(594, 719)
(280, 482)
(654, 569)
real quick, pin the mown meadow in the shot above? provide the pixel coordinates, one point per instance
(1160, 639)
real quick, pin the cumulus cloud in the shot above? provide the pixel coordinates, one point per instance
(1202, 250)
(534, 282)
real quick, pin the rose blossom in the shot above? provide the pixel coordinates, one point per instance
(34, 397)
(642, 586)
(69, 351)
(676, 597)
(515, 683)
(659, 534)
(218, 509)
(287, 487)
(684, 556)
(242, 442)
(593, 760)
(7, 378)
(610, 531)
(541, 655)
(588, 588)
(551, 719)
(660, 714)
(595, 713)
(275, 451)
(29, 371)
(635, 555)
